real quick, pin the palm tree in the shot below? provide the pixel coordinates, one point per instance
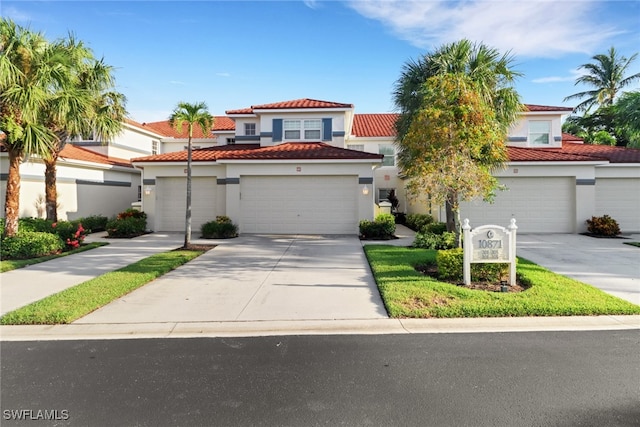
(491, 72)
(29, 68)
(84, 103)
(192, 114)
(606, 75)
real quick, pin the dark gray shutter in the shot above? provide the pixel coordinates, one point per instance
(326, 130)
(277, 130)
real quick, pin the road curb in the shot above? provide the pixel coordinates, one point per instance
(313, 327)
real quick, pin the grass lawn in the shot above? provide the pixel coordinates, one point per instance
(78, 301)
(636, 244)
(12, 264)
(408, 293)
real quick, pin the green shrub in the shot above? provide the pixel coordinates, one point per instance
(221, 228)
(603, 226)
(435, 228)
(416, 222)
(446, 240)
(130, 223)
(382, 228)
(35, 224)
(30, 244)
(93, 223)
(450, 267)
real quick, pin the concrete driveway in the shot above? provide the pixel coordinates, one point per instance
(607, 264)
(256, 278)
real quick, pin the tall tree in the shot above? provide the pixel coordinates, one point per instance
(606, 75)
(453, 144)
(192, 114)
(492, 73)
(29, 69)
(85, 103)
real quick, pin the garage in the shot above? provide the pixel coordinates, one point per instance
(620, 199)
(299, 204)
(171, 202)
(539, 205)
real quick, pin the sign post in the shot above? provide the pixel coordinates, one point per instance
(489, 244)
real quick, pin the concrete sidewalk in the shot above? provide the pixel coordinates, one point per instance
(26, 285)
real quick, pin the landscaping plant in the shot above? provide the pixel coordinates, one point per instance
(130, 223)
(603, 226)
(382, 228)
(221, 228)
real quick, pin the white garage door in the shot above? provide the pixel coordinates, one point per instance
(171, 202)
(620, 199)
(299, 205)
(539, 205)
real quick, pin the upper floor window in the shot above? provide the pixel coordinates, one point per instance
(310, 129)
(356, 147)
(249, 129)
(539, 132)
(389, 154)
(231, 141)
(154, 147)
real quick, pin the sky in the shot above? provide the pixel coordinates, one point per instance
(234, 54)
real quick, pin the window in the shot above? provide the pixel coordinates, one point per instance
(231, 141)
(539, 132)
(154, 147)
(356, 147)
(249, 129)
(139, 193)
(389, 154)
(303, 129)
(383, 194)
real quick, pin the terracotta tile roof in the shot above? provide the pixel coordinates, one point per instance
(521, 154)
(542, 108)
(296, 103)
(611, 153)
(567, 137)
(286, 151)
(73, 152)
(220, 123)
(372, 125)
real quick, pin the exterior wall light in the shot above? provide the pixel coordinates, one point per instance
(365, 190)
(147, 190)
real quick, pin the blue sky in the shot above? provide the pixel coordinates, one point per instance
(233, 54)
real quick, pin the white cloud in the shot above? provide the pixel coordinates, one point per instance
(574, 74)
(223, 74)
(526, 28)
(177, 82)
(16, 15)
(311, 4)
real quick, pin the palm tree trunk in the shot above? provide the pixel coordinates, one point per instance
(50, 190)
(187, 225)
(12, 197)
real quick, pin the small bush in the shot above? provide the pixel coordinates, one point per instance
(445, 240)
(382, 228)
(93, 223)
(35, 224)
(417, 221)
(603, 226)
(450, 267)
(31, 244)
(435, 228)
(221, 228)
(130, 223)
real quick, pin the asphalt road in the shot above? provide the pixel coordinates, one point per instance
(558, 379)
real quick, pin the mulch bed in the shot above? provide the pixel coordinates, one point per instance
(600, 236)
(431, 270)
(194, 247)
